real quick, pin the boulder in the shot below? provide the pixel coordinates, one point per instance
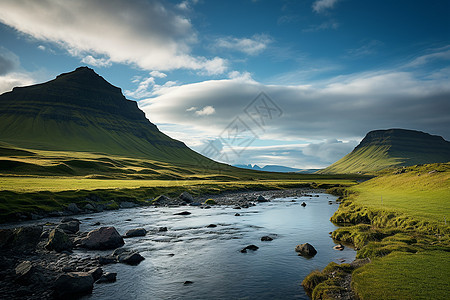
(107, 277)
(237, 207)
(130, 258)
(303, 204)
(126, 204)
(69, 227)
(187, 282)
(183, 213)
(69, 219)
(161, 200)
(73, 208)
(211, 202)
(135, 232)
(261, 199)
(102, 239)
(186, 197)
(106, 260)
(96, 273)
(74, 284)
(249, 247)
(211, 226)
(266, 238)
(237, 214)
(89, 207)
(26, 238)
(24, 271)
(59, 241)
(305, 250)
(162, 229)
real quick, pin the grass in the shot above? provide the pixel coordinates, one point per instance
(401, 275)
(406, 235)
(422, 192)
(42, 181)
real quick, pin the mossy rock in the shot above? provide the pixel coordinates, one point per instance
(210, 202)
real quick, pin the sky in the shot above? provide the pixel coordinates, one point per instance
(293, 83)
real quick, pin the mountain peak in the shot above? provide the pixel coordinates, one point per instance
(392, 147)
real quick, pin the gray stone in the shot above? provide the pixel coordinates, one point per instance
(135, 232)
(96, 273)
(59, 241)
(126, 204)
(74, 284)
(26, 238)
(261, 199)
(184, 213)
(186, 197)
(249, 247)
(102, 239)
(89, 207)
(266, 238)
(305, 250)
(24, 271)
(73, 208)
(130, 258)
(69, 227)
(107, 277)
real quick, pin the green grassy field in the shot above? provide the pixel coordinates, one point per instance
(423, 275)
(407, 235)
(41, 181)
(420, 192)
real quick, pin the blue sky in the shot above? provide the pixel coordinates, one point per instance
(333, 69)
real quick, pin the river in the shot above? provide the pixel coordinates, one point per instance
(210, 257)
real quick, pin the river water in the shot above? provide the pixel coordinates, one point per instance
(210, 257)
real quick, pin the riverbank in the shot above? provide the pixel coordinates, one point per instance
(398, 221)
(17, 205)
(169, 235)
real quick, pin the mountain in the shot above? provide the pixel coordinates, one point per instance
(389, 148)
(81, 111)
(276, 168)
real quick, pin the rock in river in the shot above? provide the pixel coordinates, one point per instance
(183, 213)
(186, 197)
(107, 277)
(249, 247)
(59, 241)
(305, 250)
(135, 232)
(102, 239)
(70, 227)
(339, 247)
(73, 284)
(266, 238)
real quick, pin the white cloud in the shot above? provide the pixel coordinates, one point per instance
(97, 62)
(41, 47)
(158, 74)
(205, 111)
(11, 74)
(147, 34)
(251, 46)
(15, 79)
(320, 6)
(345, 108)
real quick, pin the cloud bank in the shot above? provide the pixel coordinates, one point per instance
(148, 34)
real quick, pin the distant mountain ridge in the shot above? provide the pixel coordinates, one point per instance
(392, 147)
(81, 111)
(276, 168)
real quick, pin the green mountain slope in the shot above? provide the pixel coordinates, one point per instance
(381, 149)
(81, 111)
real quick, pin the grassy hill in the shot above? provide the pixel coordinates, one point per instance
(382, 149)
(81, 111)
(400, 220)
